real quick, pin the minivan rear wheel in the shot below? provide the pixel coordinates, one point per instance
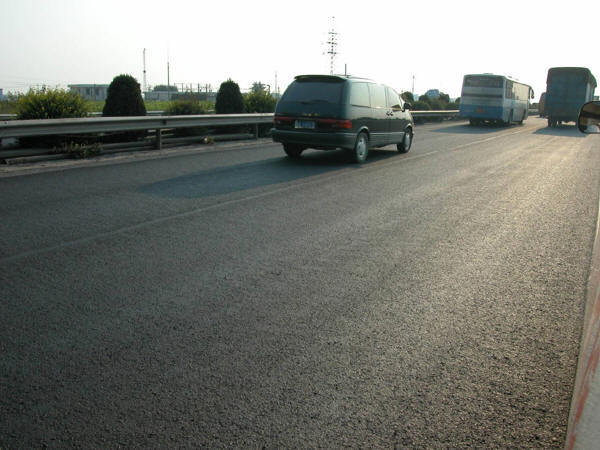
(293, 151)
(404, 146)
(361, 148)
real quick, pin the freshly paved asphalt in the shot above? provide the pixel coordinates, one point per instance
(235, 298)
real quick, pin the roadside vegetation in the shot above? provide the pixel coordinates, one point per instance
(50, 104)
(124, 98)
(425, 103)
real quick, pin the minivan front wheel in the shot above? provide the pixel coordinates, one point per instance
(404, 146)
(361, 148)
(293, 151)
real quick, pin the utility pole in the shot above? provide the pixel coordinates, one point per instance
(332, 43)
(413, 86)
(168, 81)
(145, 85)
(168, 76)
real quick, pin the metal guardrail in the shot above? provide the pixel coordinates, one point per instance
(418, 114)
(92, 114)
(87, 125)
(45, 127)
(12, 129)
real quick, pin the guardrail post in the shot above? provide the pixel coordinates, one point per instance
(255, 131)
(158, 143)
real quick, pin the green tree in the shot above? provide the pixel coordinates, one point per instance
(257, 86)
(420, 105)
(408, 97)
(124, 98)
(260, 102)
(425, 99)
(164, 88)
(444, 98)
(229, 98)
(436, 104)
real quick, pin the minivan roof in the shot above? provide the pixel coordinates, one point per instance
(329, 77)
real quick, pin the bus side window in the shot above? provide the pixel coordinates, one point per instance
(509, 89)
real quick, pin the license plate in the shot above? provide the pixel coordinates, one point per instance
(480, 110)
(305, 124)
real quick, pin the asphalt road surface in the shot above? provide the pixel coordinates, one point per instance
(228, 296)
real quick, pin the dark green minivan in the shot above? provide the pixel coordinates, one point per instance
(328, 112)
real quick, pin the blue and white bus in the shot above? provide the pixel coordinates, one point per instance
(494, 98)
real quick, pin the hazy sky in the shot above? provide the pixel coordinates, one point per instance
(61, 42)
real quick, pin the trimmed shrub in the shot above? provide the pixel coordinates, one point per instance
(229, 98)
(49, 104)
(230, 101)
(124, 98)
(186, 108)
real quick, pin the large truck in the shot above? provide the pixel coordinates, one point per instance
(567, 89)
(542, 105)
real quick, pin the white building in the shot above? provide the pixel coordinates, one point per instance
(90, 91)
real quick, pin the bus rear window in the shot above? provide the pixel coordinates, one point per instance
(488, 82)
(314, 91)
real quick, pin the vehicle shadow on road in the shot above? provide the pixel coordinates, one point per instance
(241, 177)
(465, 128)
(562, 130)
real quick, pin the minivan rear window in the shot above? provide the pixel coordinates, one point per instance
(314, 91)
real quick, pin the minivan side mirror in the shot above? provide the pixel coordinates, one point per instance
(589, 118)
(407, 106)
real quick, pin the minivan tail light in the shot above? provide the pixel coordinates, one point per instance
(282, 120)
(337, 123)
